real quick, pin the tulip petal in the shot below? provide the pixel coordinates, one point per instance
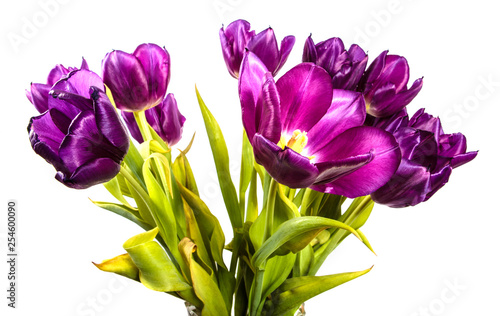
(265, 46)
(233, 41)
(438, 180)
(461, 159)
(82, 143)
(108, 122)
(166, 120)
(57, 73)
(312, 96)
(309, 54)
(133, 128)
(124, 75)
(373, 72)
(270, 119)
(333, 170)
(396, 71)
(347, 110)
(156, 64)
(45, 138)
(91, 173)
(78, 82)
(285, 50)
(285, 166)
(408, 186)
(252, 76)
(360, 141)
(39, 96)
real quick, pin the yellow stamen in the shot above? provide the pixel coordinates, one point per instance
(298, 141)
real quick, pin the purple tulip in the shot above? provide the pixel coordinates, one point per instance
(384, 85)
(39, 92)
(164, 118)
(138, 81)
(344, 66)
(80, 134)
(307, 134)
(429, 155)
(237, 37)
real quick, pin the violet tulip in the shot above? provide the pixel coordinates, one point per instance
(165, 119)
(344, 66)
(38, 93)
(80, 134)
(428, 157)
(307, 134)
(237, 37)
(384, 85)
(138, 81)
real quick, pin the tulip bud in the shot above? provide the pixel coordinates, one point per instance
(238, 37)
(137, 81)
(384, 85)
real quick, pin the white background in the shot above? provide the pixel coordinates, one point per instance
(451, 239)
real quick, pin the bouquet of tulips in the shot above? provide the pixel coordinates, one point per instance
(320, 145)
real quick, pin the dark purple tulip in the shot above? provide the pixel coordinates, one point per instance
(307, 134)
(237, 37)
(38, 93)
(344, 66)
(138, 81)
(429, 155)
(384, 85)
(164, 118)
(80, 134)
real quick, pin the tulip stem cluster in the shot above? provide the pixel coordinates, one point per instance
(323, 143)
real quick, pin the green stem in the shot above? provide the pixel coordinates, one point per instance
(142, 123)
(271, 197)
(257, 293)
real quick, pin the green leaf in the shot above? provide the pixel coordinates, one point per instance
(156, 271)
(221, 159)
(276, 272)
(122, 265)
(355, 216)
(203, 284)
(113, 187)
(295, 291)
(294, 234)
(184, 174)
(124, 211)
(161, 208)
(209, 225)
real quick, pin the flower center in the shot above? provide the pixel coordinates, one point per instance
(297, 141)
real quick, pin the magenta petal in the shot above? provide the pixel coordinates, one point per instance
(438, 180)
(461, 159)
(234, 41)
(347, 110)
(285, 50)
(133, 128)
(107, 121)
(78, 82)
(270, 119)
(57, 73)
(91, 173)
(39, 96)
(396, 71)
(408, 186)
(373, 72)
(83, 142)
(252, 77)
(333, 170)
(166, 120)
(156, 64)
(359, 141)
(306, 94)
(285, 166)
(45, 137)
(265, 46)
(124, 75)
(309, 54)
